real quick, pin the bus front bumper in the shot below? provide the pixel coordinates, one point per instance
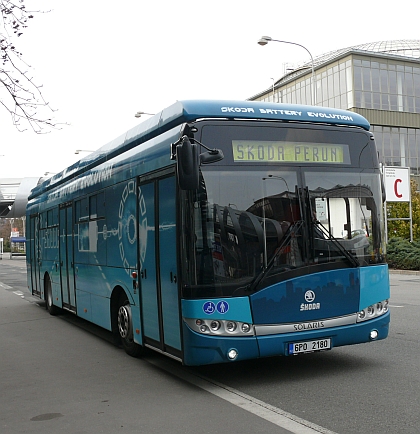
(201, 349)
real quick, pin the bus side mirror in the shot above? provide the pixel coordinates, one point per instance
(187, 163)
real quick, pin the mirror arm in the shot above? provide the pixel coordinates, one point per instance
(212, 152)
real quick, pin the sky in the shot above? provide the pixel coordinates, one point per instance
(100, 62)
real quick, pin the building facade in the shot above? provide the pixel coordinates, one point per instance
(380, 81)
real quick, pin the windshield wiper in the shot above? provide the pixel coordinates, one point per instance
(293, 229)
(328, 237)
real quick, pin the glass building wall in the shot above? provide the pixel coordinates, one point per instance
(386, 85)
(333, 83)
(398, 146)
(367, 82)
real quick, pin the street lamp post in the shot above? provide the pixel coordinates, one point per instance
(266, 39)
(273, 88)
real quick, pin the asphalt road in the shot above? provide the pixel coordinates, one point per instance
(63, 374)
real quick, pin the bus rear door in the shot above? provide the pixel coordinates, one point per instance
(34, 255)
(66, 257)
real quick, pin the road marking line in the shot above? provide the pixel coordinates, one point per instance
(4, 286)
(266, 411)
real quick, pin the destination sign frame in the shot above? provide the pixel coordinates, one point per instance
(260, 151)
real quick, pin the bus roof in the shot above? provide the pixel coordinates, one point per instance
(188, 111)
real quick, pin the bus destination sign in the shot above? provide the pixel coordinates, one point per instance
(289, 152)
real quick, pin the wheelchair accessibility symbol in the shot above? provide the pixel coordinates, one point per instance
(209, 307)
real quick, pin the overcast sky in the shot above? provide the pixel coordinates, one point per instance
(100, 62)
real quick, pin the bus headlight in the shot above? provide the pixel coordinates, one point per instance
(215, 325)
(231, 326)
(245, 327)
(219, 327)
(373, 311)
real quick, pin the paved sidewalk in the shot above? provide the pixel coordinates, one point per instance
(413, 272)
(16, 261)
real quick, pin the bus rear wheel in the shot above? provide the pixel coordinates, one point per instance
(49, 304)
(125, 328)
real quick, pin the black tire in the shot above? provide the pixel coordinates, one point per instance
(125, 328)
(52, 309)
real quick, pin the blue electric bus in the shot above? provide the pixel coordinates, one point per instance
(219, 231)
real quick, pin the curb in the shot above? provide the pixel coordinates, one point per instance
(412, 272)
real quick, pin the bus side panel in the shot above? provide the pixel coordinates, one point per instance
(84, 305)
(94, 285)
(121, 231)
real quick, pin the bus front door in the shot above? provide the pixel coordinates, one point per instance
(66, 257)
(158, 265)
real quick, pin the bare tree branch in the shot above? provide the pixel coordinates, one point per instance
(19, 95)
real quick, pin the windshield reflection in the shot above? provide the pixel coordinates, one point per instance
(252, 225)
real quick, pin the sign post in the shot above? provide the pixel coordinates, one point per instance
(397, 189)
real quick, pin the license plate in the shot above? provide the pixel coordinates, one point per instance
(310, 346)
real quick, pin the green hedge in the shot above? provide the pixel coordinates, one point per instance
(402, 254)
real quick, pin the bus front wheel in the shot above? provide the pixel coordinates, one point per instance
(125, 328)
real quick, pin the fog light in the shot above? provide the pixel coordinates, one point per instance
(203, 328)
(373, 334)
(232, 354)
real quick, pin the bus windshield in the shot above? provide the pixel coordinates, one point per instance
(250, 222)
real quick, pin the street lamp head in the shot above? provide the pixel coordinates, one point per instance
(138, 114)
(265, 40)
(78, 151)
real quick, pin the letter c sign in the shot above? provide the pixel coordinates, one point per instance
(397, 181)
(397, 184)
